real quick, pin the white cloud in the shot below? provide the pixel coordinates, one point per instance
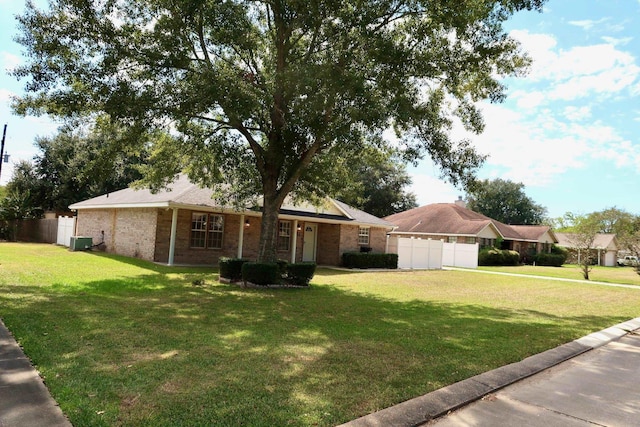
(9, 61)
(574, 114)
(575, 73)
(538, 150)
(5, 95)
(617, 41)
(587, 24)
(430, 189)
(529, 100)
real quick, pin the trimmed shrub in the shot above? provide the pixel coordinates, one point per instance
(552, 260)
(231, 268)
(511, 257)
(494, 257)
(261, 273)
(556, 258)
(490, 256)
(369, 260)
(282, 267)
(300, 274)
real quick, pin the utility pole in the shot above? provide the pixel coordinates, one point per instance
(4, 134)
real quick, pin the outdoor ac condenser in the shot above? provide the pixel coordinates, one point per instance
(79, 243)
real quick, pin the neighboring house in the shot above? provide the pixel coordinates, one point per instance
(453, 222)
(535, 238)
(184, 224)
(605, 247)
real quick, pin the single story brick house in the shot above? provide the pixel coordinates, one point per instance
(605, 247)
(453, 222)
(184, 224)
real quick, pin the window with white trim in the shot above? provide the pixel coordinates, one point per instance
(207, 230)
(216, 231)
(452, 239)
(363, 235)
(284, 235)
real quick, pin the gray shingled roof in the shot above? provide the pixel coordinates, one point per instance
(602, 240)
(183, 193)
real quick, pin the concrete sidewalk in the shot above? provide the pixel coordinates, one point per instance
(592, 380)
(24, 399)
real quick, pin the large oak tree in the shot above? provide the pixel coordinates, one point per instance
(266, 96)
(505, 201)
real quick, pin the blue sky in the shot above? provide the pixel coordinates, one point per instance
(569, 130)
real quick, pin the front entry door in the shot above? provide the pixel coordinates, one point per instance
(309, 245)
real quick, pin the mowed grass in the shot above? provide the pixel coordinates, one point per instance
(125, 342)
(623, 275)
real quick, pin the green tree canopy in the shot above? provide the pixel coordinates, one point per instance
(504, 201)
(76, 164)
(379, 184)
(266, 96)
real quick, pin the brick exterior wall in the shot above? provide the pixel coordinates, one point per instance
(145, 233)
(91, 223)
(185, 254)
(129, 232)
(328, 252)
(135, 233)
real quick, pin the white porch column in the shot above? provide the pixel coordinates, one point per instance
(172, 238)
(294, 247)
(241, 236)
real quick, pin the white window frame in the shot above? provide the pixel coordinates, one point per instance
(364, 236)
(215, 229)
(205, 230)
(284, 236)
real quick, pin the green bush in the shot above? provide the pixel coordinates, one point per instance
(490, 256)
(300, 274)
(261, 273)
(495, 256)
(369, 260)
(282, 267)
(511, 257)
(231, 268)
(556, 258)
(552, 260)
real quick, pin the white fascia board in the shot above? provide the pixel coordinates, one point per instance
(303, 218)
(409, 233)
(340, 209)
(75, 207)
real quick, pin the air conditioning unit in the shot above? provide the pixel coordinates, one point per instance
(79, 243)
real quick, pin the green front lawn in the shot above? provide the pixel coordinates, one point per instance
(125, 342)
(623, 275)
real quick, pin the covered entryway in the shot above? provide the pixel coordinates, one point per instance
(309, 242)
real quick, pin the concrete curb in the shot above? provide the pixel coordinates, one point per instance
(24, 399)
(422, 409)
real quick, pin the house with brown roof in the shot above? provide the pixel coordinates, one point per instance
(453, 222)
(185, 224)
(604, 247)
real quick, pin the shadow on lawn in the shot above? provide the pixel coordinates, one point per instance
(156, 350)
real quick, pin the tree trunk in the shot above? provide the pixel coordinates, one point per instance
(268, 246)
(267, 251)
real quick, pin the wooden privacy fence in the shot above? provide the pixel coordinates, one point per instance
(46, 230)
(36, 230)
